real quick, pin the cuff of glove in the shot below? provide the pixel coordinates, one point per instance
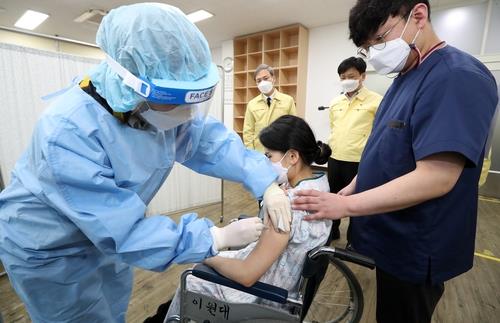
(216, 239)
(273, 189)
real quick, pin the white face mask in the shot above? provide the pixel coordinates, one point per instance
(281, 171)
(392, 58)
(349, 85)
(166, 120)
(265, 86)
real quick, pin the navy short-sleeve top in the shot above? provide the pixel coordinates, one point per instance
(446, 104)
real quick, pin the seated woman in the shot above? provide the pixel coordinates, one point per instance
(276, 258)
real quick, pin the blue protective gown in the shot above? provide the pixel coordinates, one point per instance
(72, 219)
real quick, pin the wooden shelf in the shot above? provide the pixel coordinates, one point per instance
(254, 60)
(288, 76)
(240, 95)
(289, 67)
(240, 63)
(284, 49)
(290, 48)
(289, 57)
(239, 110)
(254, 44)
(240, 47)
(290, 90)
(240, 80)
(290, 37)
(252, 92)
(272, 58)
(272, 40)
(238, 124)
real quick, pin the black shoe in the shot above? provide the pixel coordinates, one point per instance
(160, 315)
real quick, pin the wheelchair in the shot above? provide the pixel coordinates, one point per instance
(328, 292)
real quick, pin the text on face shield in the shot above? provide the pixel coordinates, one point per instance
(199, 96)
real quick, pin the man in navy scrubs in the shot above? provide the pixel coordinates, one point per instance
(414, 201)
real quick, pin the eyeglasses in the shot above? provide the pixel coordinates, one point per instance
(379, 42)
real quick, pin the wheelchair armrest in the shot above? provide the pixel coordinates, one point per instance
(259, 289)
(354, 257)
(343, 254)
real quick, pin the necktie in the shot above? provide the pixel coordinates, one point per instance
(268, 101)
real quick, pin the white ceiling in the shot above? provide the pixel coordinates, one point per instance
(232, 17)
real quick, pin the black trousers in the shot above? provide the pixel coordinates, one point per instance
(400, 301)
(340, 174)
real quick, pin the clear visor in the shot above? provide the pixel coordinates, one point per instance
(183, 126)
(166, 118)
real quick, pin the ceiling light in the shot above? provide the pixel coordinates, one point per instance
(31, 19)
(199, 15)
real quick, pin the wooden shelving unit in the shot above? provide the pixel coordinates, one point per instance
(285, 49)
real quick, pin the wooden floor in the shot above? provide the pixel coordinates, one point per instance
(472, 297)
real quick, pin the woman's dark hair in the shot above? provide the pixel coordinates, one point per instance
(366, 17)
(357, 62)
(291, 132)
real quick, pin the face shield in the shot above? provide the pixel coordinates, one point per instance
(176, 102)
(174, 117)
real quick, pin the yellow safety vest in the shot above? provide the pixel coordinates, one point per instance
(258, 116)
(351, 123)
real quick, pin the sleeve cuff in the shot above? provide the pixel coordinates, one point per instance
(471, 154)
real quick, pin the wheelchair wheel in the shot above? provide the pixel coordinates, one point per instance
(339, 297)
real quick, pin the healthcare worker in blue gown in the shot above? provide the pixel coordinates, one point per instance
(72, 220)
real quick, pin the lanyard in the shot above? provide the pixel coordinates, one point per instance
(433, 49)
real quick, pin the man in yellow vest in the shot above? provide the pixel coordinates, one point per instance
(264, 108)
(351, 119)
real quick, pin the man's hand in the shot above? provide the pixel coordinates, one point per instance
(321, 205)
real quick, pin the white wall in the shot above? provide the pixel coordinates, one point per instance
(461, 27)
(216, 105)
(227, 51)
(328, 46)
(493, 37)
